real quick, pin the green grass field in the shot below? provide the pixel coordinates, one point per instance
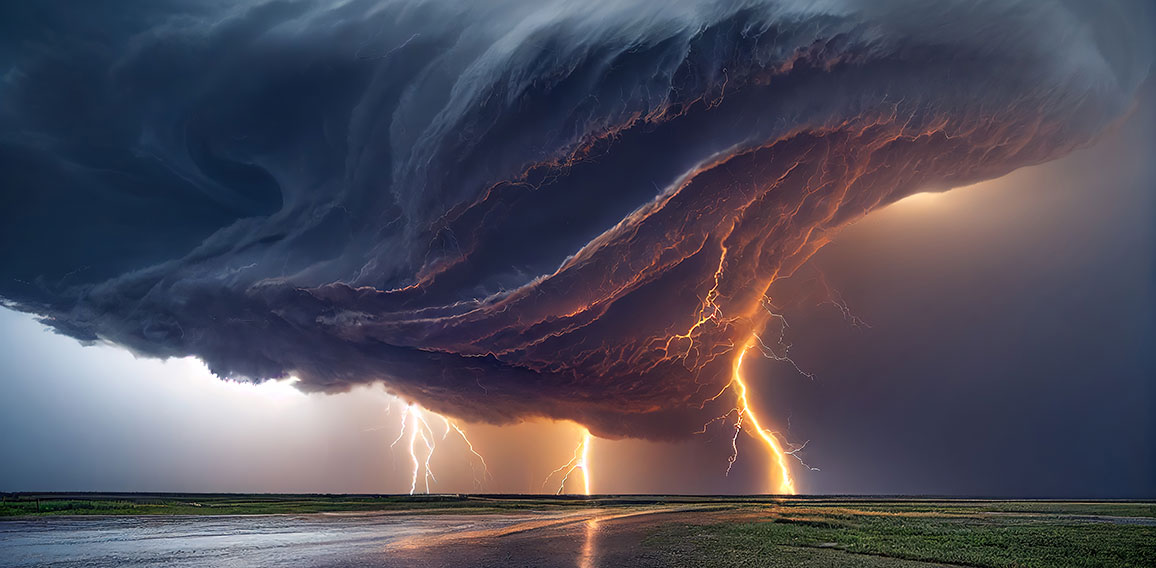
(909, 533)
(747, 531)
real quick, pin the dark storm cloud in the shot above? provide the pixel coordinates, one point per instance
(508, 208)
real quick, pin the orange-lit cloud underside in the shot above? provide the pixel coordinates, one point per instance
(607, 340)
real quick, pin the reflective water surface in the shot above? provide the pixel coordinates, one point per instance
(572, 539)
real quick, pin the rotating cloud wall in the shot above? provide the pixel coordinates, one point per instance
(502, 209)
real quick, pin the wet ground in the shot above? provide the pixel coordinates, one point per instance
(583, 538)
(630, 533)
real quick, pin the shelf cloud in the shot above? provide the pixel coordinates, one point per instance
(502, 209)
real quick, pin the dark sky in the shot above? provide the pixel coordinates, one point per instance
(513, 211)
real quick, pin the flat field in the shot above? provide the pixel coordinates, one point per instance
(506, 530)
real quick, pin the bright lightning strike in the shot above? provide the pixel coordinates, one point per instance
(414, 422)
(744, 413)
(581, 460)
(786, 485)
(430, 447)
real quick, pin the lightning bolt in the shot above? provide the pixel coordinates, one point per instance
(581, 460)
(413, 421)
(785, 484)
(795, 454)
(745, 414)
(430, 446)
(777, 352)
(769, 351)
(835, 298)
(469, 444)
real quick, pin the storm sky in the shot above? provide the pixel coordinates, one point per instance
(533, 211)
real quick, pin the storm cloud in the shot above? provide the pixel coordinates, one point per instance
(502, 209)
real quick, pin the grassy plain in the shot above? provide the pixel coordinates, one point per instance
(919, 533)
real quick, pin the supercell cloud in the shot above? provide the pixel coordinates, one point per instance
(502, 209)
